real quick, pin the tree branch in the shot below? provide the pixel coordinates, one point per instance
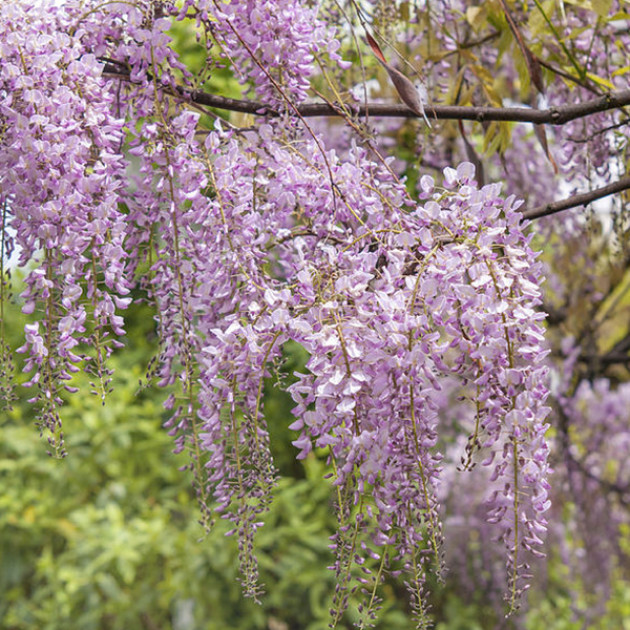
(559, 115)
(554, 115)
(580, 199)
(608, 359)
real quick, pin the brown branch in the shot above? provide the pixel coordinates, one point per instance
(607, 359)
(599, 132)
(618, 354)
(622, 491)
(621, 347)
(580, 199)
(559, 115)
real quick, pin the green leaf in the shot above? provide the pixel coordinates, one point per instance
(602, 7)
(600, 80)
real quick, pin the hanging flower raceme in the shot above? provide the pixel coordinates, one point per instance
(446, 289)
(593, 437)
(271, 42)
(60, 177)
(388, 298)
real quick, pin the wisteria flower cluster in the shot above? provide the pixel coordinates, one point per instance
(246, 239)
(271, 43)
(61, 180)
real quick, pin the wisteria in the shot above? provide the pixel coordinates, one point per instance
(392, 256)
(62, 174)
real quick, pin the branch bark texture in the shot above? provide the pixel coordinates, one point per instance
(558, 115)
(578, 200)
